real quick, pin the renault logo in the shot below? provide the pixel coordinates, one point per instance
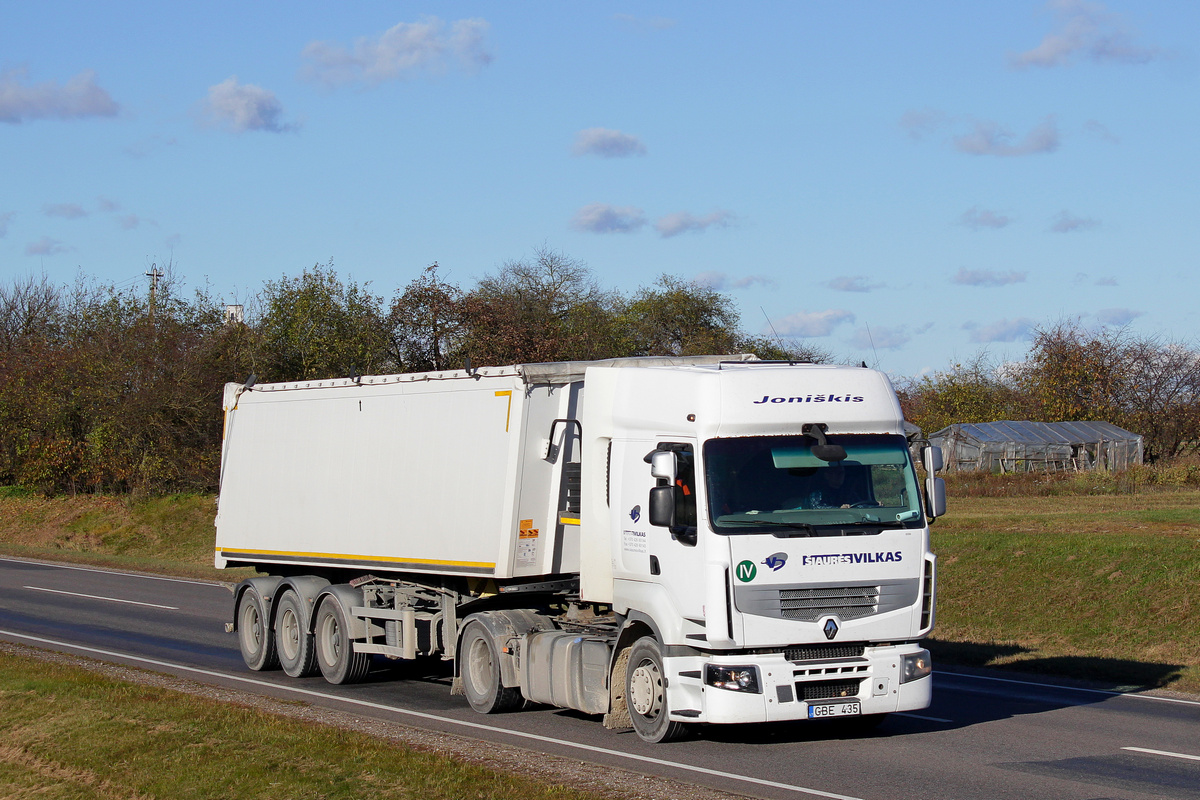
(831, 628)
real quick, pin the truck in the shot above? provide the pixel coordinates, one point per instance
(660, 542)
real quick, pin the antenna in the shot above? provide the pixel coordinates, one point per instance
(778, 339)
(871, 339)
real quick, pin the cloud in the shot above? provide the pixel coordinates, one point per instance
(682, 222)
(1098, 129)
(605, 218)
(721, 281)
(129, 221)
(991, 139)
(147, 146)
(1082, 278)
(816, 323)
(45, 247)
(881, 338)
(403, 50)
(607, 144)
(1089, 30)
(1005, 330)
(853, 283)
(1117, 316)
(106, 205)
(645, 24)
(5, 218)
(920, 123)
(977, 219)
(77, 98)
(1065, 222)
(985, 277)
(64, 210)
(241, 107)
(1107, 280)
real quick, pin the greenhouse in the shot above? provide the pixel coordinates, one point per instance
(1011, 446)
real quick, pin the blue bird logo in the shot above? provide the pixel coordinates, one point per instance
(776, 561)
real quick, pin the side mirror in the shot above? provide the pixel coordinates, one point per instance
(935, 497)
(662, 505)
(663, 465)
(931, 457)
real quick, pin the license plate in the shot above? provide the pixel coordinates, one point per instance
(834, 710)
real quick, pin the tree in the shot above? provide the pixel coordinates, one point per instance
(425, 323)
(674, 317)
(314, 326)
(970, 392)
(545, 309)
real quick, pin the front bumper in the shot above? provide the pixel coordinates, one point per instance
(789, 688)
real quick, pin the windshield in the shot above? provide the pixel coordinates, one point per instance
(773, 483)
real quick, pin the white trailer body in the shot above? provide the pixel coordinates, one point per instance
(649, 539)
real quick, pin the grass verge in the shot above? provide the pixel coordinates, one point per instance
(71, 734)
(1103, 588)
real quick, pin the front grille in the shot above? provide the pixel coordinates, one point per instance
(815, 652)
(847, 602)
(827, 690)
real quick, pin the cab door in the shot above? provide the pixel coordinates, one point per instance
(668, 553)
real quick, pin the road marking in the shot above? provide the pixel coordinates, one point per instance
(919, 716)
(435, 717)
(110, 571)
(1162, 753)
(97, 597)
(1133, 695)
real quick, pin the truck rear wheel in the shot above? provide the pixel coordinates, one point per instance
(293, 642)
(335, 650)
(646, 694)
(480, 670)
(254, 632)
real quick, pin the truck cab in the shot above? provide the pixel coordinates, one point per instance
(761, 531)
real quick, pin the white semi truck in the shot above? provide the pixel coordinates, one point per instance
(662, 541)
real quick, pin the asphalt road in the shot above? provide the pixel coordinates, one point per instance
(983, 737)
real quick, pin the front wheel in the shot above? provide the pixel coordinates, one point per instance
(480, 671)
(254, 632)
(646, 694)
(335, 650)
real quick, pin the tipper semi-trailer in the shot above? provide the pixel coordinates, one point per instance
(661, 541)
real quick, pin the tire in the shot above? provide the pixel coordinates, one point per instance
(480, 670)
(294, 644)
(646, 694)
(254, 633)
(334, 650)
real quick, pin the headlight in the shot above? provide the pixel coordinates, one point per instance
(735, 679)
(915, 666)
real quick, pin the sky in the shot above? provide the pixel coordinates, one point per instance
(898, 183)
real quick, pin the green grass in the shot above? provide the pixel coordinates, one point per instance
(70, 733)
(1104, 588)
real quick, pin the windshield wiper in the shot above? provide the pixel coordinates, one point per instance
(774, 523)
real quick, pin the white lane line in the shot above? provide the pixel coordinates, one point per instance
(435, 717)
(109, 571)
(98, 597)
(1132, 695)
(919, 716)
(1162, 753)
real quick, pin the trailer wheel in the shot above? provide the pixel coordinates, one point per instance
(480, 670)
(335, 651)
(646, 694)
(254, 633)
(293, 642)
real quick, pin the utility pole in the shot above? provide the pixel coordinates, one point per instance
(154, 274)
